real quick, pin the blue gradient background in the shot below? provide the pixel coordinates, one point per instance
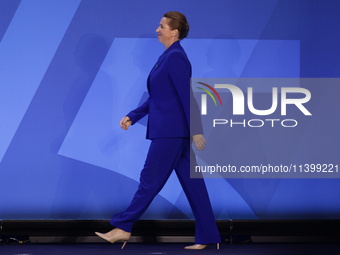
(71, 69)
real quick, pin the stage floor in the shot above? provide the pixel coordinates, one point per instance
(167, 248)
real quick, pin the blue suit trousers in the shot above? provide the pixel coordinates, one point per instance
(165, 155)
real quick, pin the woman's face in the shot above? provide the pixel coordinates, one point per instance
(165, 34)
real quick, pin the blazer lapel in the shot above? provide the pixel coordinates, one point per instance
(158, 63)
(174, 46)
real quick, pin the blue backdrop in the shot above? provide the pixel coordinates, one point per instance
(71, 69)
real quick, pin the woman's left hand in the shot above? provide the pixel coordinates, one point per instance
(199, 141)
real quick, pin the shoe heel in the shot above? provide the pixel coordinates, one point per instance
(123, 245)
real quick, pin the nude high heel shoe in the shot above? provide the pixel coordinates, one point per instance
(199, 247)
(115, 237)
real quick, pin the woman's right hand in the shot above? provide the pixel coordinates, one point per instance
(125, 123)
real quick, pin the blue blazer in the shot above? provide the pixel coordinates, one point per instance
(169, 90)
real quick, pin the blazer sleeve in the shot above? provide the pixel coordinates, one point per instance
(180, 74)
(139, 112)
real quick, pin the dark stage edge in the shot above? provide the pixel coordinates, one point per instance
(173, 248)
(163, 231)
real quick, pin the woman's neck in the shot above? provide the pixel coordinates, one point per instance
(167, 45)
